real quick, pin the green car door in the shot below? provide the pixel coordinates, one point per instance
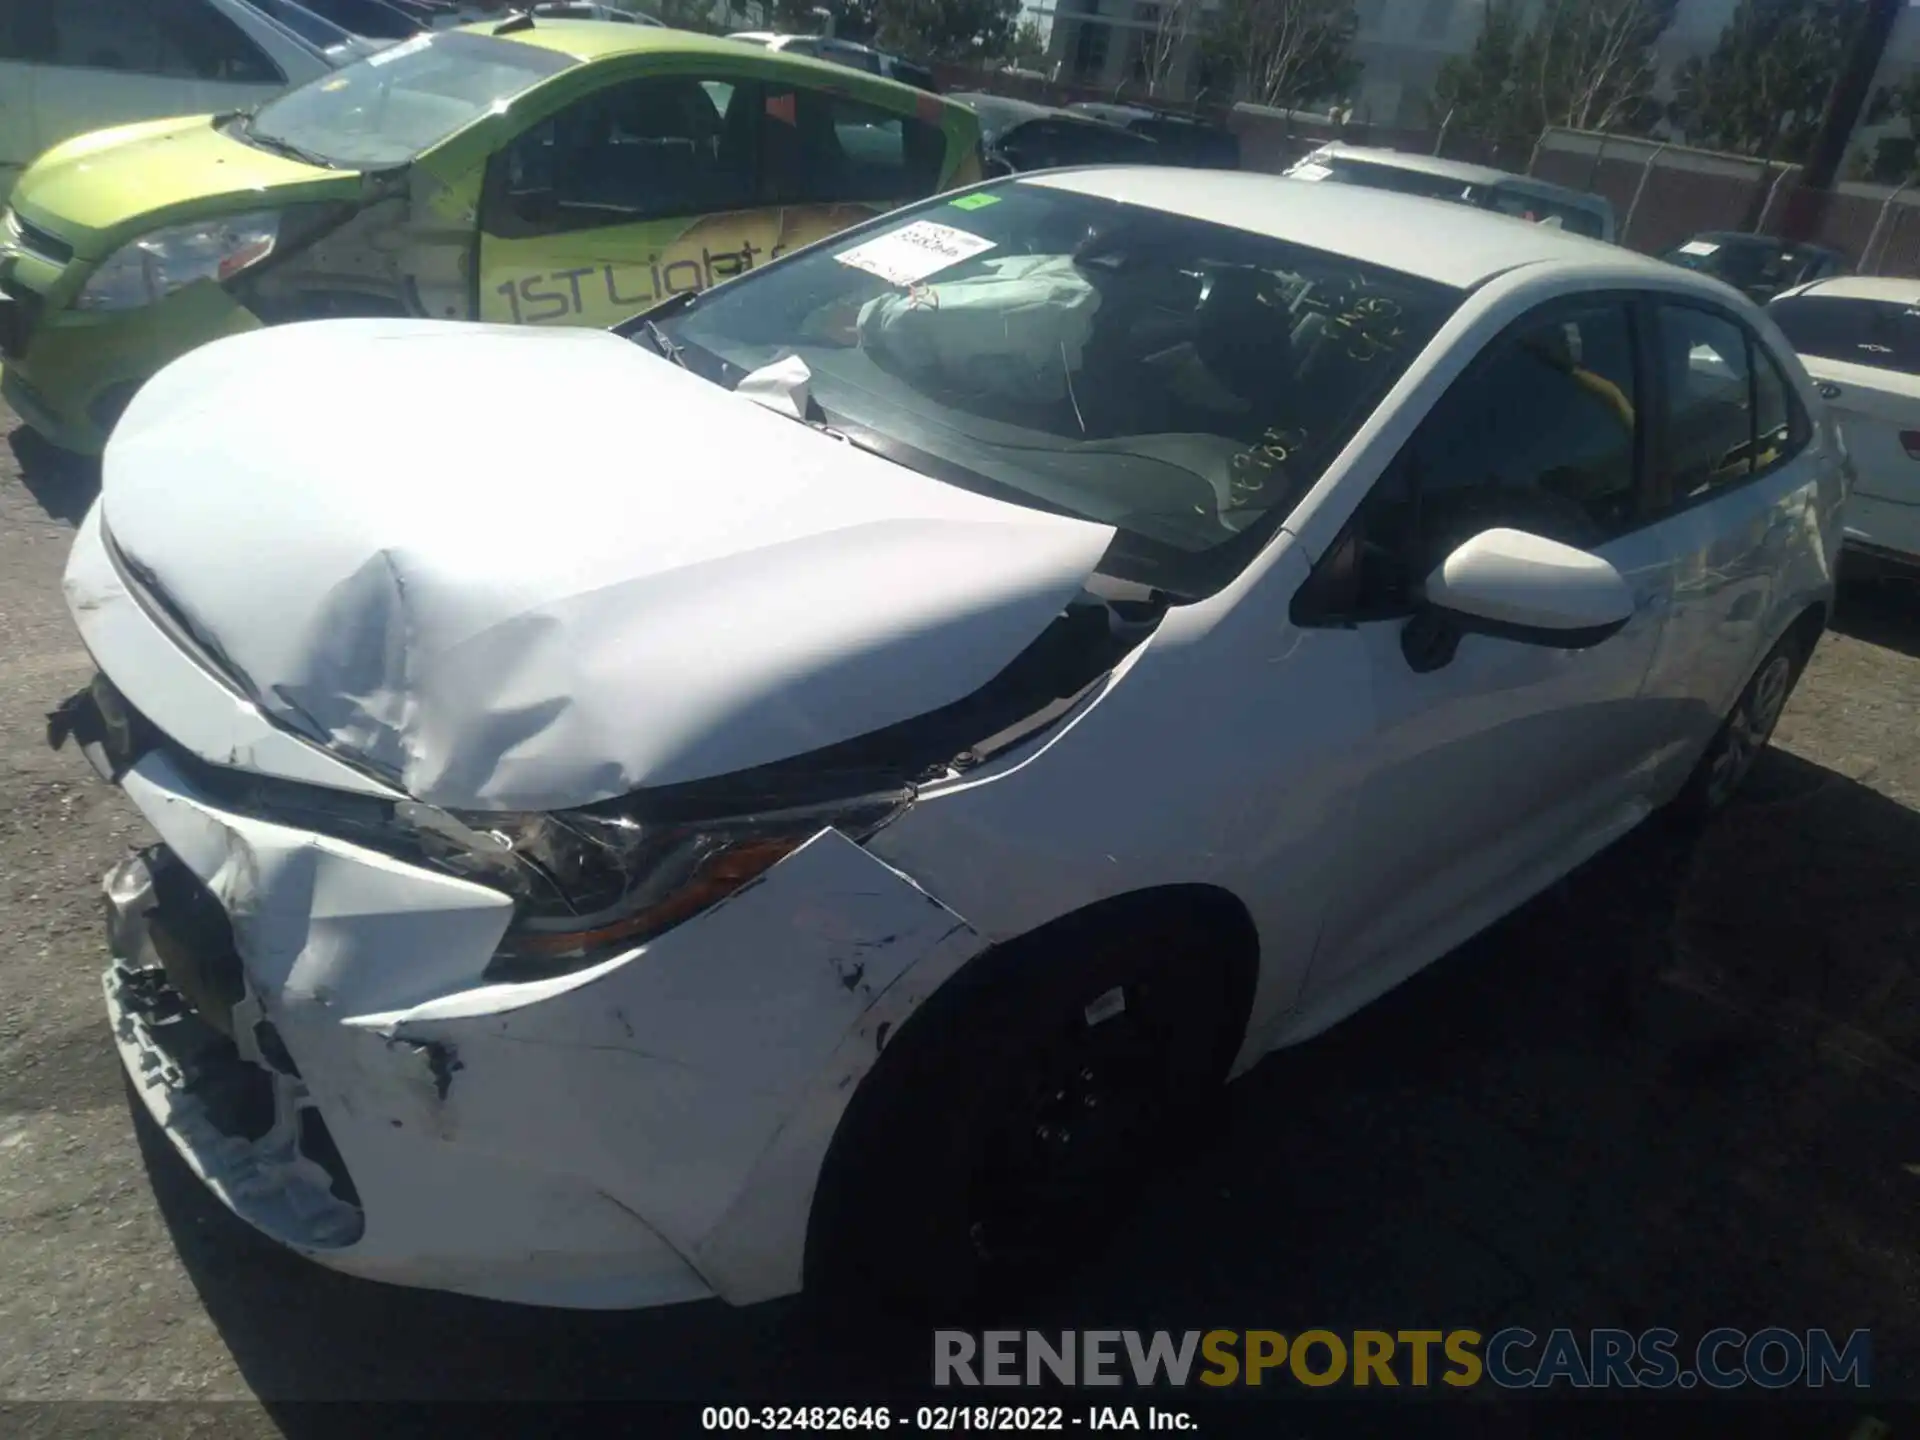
(691, 169)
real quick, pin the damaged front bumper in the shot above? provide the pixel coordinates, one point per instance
(76, 370)
(210, 1068)
(308, 1022)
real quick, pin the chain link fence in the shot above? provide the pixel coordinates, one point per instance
(1666, 193)
(1662, 193)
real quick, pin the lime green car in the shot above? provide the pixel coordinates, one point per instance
(534, 171)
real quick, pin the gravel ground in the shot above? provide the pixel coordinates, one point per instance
(1679, 1090)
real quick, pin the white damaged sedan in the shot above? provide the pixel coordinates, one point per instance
(800, 792)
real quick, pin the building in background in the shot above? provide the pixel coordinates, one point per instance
(1401, 45)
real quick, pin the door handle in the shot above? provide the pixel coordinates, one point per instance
(1829, 390)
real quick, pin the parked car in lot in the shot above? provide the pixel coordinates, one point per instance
(375, 19)
(563, 172)
(79, 65)
(586, 10)
(1521, 196)
(1018, 135)
(843, 52)
(814, 790)
(1761, 266)
(1859, 337)
(340, 46)
(1183, 139)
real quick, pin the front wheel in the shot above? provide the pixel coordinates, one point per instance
(1002, 1132)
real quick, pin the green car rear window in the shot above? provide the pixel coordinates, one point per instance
(390, 107)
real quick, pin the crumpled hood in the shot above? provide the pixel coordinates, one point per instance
(99, 189)
(532, 569)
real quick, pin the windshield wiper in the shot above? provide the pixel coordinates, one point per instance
(285, 147)
(658, 339)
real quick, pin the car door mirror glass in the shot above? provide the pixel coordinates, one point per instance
(1517, 586)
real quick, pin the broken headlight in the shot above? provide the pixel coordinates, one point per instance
(590, 883)
(142, 271)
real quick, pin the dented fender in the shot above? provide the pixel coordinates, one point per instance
(674, 1104)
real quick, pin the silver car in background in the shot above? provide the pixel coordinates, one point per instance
(1481, 186)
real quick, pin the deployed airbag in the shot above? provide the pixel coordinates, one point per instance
(1015, 332)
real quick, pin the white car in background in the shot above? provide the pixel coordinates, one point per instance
(1048, 646)
(1859, 337)
(71, 66)
(1520, 196)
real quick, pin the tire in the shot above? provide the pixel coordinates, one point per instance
(1744, 734)
(1008, 1125)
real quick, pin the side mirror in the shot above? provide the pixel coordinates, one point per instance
(1516, 586)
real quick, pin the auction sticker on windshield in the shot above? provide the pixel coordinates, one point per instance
(913, 252)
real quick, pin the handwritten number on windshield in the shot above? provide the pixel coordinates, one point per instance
(1252, 469)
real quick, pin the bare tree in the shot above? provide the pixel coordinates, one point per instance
(1174, 23)
(1289, 52)
(1591, 63)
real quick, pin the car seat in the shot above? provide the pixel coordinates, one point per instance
(1244, 337)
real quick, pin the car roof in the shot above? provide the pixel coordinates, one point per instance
(1105, 110)
(1436, 240)
(1017, 111)
(1889, 289)
(1425, 164)
(586, 40)
(1467, 174)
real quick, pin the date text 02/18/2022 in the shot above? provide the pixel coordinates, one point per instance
(942, 1419)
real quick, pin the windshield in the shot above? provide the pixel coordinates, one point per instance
(1181, 381)
(388, 108)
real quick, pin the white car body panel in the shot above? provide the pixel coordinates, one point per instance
(1873, 408)
(42, 104)
(652, 1128)
(185, 699)
(1874, 405)
(488, 667)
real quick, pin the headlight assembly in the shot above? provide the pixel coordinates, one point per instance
(144, 270)
(589, 884)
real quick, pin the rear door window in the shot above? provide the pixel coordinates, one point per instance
(1709, 402)
(1881, 333)
(1575, 219)
(1729, 413)
(823, 149)
(1780, 422)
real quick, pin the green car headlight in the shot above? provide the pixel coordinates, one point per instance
(160, 262)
